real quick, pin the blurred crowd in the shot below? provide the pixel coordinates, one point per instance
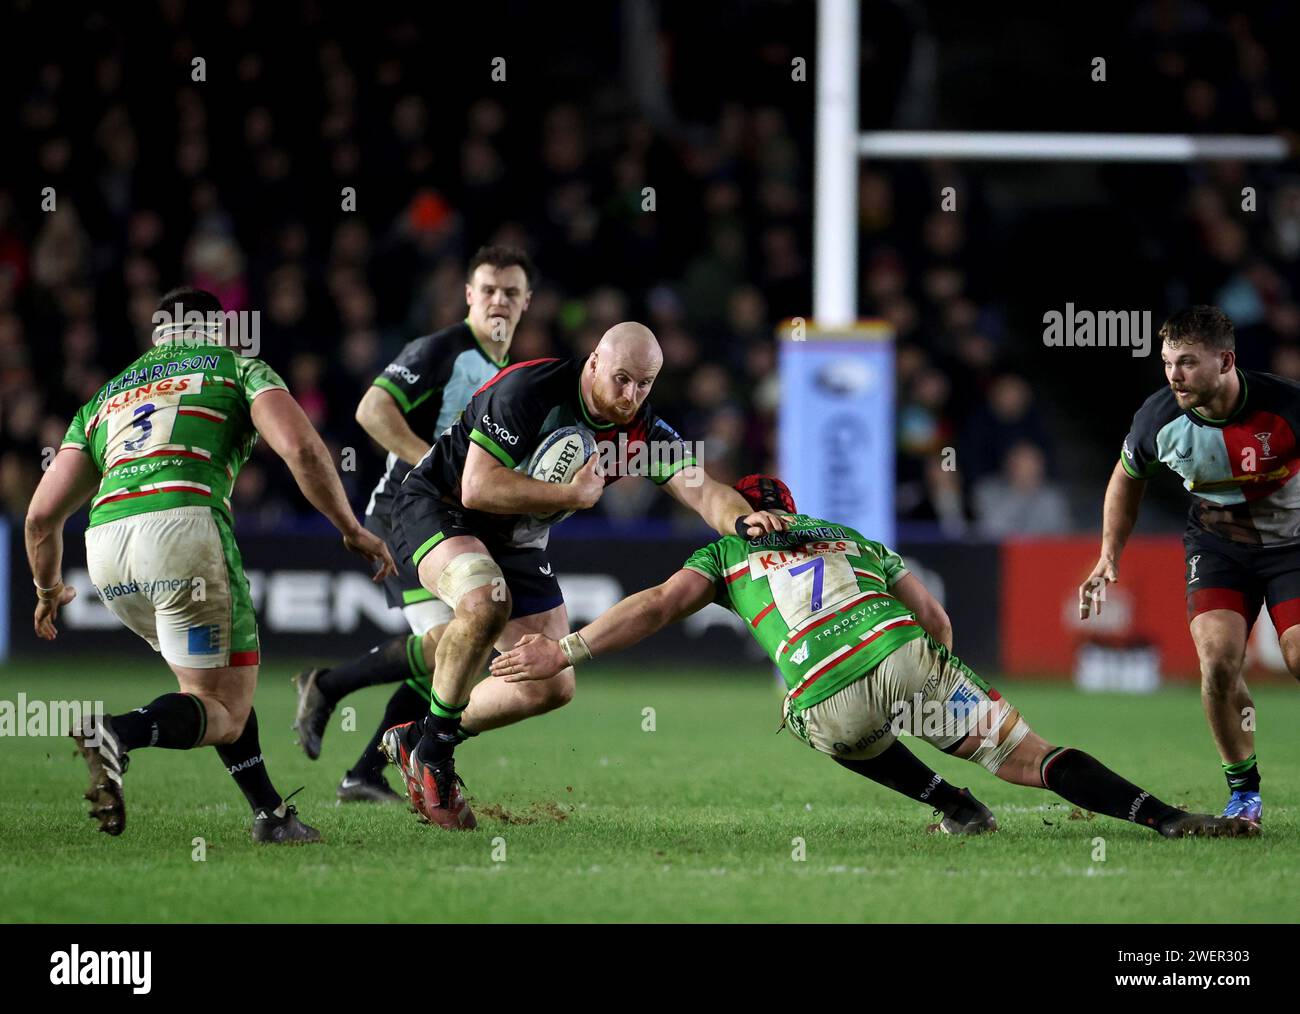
(967, 377)
(236, 183)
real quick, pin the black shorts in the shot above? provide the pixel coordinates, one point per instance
(1241, 577)
(402, 588)
(421, 522)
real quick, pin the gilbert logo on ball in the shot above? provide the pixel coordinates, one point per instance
(558, 458)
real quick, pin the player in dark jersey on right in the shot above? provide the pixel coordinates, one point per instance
(417, 397)
(853, 634)
(1233, 437)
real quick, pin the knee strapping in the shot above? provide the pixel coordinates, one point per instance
(1002, 735)
(465, 573)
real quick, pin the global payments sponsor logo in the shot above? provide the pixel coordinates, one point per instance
(1130, 329)
(35, 718)
(147, 587)
(75, 967)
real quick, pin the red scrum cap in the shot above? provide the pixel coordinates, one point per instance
(766, 493)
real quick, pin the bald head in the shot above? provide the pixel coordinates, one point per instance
(621, 370)
(631, 343)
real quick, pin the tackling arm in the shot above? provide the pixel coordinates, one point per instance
(720, 506)
(635, 618)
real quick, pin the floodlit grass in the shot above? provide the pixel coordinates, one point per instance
(598, 820)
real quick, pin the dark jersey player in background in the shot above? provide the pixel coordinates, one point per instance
(865, 652)
(463, 519)
(419, 395)
(1230, 434)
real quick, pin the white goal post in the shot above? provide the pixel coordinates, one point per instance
(840, 144)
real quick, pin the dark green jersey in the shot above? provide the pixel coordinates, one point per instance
(817, 599)
(172, 429)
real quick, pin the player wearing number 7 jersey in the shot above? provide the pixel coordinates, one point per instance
(865, 653)
(159, 448)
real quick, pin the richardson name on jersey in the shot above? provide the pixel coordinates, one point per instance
(145, 374)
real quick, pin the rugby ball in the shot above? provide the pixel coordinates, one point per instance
(558, 458)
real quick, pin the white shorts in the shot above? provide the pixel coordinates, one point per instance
(920, 689)
(424, 616)
(176, 579)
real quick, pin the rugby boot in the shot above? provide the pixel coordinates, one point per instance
(268, 829)
(1187, 825)
(969, 816)
(398, 744)
(1245, 806)
(313, 712)
(371, 789)
(107, 762)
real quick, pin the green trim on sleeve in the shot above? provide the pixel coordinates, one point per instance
(423, 398)
(492, 447)
(257, 377)
(672, 470)
(1129, 469)
(398, 394)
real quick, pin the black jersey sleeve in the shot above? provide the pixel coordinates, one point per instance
(1139, 456)
(420, 371)
(668, 452)
(506, 416)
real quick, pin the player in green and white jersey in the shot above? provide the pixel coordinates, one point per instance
(865, 652)
(158, 449)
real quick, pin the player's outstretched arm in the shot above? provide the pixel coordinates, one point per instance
(537, 657)
(721, 507)
(487, 485)
(1118, 518)
(71, 478)
(285, 426)
(381, 417)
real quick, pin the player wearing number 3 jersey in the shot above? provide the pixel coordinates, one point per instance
(157, 451)
(865, 652)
